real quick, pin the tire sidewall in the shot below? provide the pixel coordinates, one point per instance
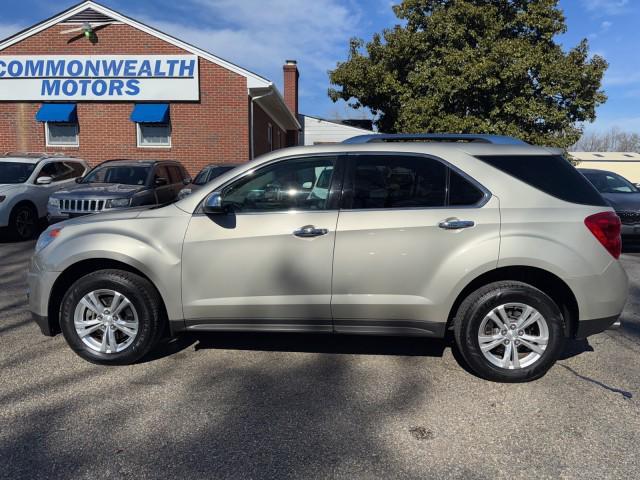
(134, 293)
(487, 302)
(14, 217)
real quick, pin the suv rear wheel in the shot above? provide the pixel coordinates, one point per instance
(111, 317)
(509, 332)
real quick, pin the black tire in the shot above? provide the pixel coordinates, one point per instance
(142, 295)
(23, 222)
(477, 305)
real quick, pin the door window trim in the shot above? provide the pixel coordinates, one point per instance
(348, 183)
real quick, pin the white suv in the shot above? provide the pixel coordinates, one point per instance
(504, 244)
(26, 181)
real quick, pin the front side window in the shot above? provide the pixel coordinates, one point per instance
(395, 181)
(57, 171)
(124, 174)
(154, 134)
(15, 172)
(62, 134)
(296, 184)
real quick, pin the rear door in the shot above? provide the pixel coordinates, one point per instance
(410, 230)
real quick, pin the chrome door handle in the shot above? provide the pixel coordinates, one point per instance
(309, 231)
(455, 224)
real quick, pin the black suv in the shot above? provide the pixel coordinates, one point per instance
(117, 184)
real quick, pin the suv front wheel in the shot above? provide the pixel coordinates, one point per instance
(509, 332)
(111, 317)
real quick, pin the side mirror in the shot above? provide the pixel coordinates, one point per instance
(213, 204)
(79, 179)
(161, 182)
(44, 181)
(187, 180)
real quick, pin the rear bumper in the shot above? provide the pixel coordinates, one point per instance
(586, 328)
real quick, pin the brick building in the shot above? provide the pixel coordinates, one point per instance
(96, 84)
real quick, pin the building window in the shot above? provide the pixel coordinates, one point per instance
(154, 134)
(60, 134)
(270, 137)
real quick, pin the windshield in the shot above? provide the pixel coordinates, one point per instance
(14, 172)
(608, 182)
(124, 174)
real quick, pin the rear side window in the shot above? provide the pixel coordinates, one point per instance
(381, 181)
(552, 174)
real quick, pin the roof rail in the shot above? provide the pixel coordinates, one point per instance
(34, 154)
(435, 137)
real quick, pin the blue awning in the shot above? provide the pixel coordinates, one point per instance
(57, 112)
(150, 113)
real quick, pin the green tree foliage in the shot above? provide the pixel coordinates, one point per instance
(475, 66)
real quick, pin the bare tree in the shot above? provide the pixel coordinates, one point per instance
(613, 140)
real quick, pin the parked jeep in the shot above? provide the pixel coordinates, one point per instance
(118, 184)
(26, 182)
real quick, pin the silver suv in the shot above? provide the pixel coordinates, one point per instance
(26, 182)
(501, 243)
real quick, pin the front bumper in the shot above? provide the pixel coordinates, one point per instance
(40, 285)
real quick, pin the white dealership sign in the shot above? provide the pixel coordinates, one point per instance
(99, 78)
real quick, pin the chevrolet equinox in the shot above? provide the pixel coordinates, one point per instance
(504, 244)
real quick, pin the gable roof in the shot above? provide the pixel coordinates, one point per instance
(93, 9)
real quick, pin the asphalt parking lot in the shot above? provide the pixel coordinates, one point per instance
(294, 406)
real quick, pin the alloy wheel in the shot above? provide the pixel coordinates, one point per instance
(106, 321)
(513, 336)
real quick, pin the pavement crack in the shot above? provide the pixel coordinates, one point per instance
(626, 395)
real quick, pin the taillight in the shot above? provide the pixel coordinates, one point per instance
(606, 226)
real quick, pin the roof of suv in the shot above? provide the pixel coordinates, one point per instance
(33, 157)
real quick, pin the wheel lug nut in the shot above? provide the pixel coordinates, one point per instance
(506, 342)
(513, 326)
(503, 332)
(521, 333)
(516, 343)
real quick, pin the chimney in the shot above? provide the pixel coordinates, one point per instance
(291, 76)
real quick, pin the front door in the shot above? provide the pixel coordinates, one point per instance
(413, 228)
(268, 262)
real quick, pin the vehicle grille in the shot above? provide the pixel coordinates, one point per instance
(629, 218)
(73, 205)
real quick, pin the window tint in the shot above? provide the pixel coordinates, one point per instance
(287, 185)
(161, 172)
(58, 171)
(175, 176)
(386, 181)
(552, 174)
(78, 169)
(462, 192)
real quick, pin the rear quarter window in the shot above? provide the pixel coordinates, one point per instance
(552, 174)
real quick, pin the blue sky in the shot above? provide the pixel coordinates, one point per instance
(261, 34)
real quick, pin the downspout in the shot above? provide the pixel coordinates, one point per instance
(251, 123)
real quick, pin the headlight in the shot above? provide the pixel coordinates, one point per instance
(118, 203)
(185, 192)
(48, 236)
(54, 202)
